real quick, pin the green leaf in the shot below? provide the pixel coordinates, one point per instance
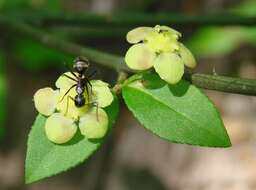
(45, 159)
(180, 113)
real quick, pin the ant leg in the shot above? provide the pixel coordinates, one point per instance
(90, 85)
(92, 74)
(86, 68)
(73, 74)
(97, 110)
(70, 77)
(88, 82)
(70, 70)
(87, 91)
(67, 92)
(95, 104)
(69, 97)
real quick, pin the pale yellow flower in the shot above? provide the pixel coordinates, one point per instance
(64, 117)
(158, 47)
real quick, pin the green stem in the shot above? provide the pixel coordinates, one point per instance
(90, 32)
(105, 59)
(213, 82)
(224, 84)
(136, 19)
(122, 76)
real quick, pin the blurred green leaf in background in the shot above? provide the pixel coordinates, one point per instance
(3, 95)
(220, 41)
(34, 56)
(246, 8)
(44, 5)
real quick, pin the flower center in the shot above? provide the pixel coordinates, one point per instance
(162, 41)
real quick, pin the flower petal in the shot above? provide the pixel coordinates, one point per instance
(168, 29)
(46, 100)
(67, 106)
(65, 82)
(138, 34)
(139, 57)
(59, 129)
(94, 125)
(170, 67)
(101, 93)
(187, 56)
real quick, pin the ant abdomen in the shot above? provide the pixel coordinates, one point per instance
(79, 100)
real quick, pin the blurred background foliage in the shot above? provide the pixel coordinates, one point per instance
(41, 58)
(26, 66)
(219, 41)
(3, 95)
(42, 5)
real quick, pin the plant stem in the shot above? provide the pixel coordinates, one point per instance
(224, 84)
(122, 76)
(105, 59)
(135, 19)
(213, 82)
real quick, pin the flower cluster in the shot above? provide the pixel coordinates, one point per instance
(158, 47)
(64, 117)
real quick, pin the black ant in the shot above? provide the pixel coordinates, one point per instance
(82, 83)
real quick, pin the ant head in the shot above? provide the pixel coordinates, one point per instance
(81, 64)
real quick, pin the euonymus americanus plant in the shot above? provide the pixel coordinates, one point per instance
(75, 118)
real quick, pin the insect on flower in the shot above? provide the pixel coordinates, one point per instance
(82, 83)
(86, 110)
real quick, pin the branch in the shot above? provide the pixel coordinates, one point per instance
(136, 19)
(224, 84)
(105, 59)
(90, 32)
(213, 82)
